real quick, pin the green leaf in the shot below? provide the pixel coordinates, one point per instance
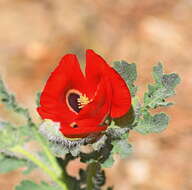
(128, 72)
(152, 124)
(162, 88)
(122, 147)
(11, 136)
(30, 167)
(10, 163)
(109, 162)
(11, 103)
(38, 98)
(30, 185)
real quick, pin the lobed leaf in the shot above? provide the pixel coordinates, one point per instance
(128, 72)
(10, 101)
(162, 88)
(120, 146)
(152, 124)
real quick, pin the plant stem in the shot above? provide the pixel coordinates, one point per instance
(54, 177)
(91, 172)
(49, 154)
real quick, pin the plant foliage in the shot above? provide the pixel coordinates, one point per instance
(56, 152)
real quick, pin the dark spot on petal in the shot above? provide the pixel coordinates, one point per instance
(74, 125)
(72, 101)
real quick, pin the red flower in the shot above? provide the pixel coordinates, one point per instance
(82, 103)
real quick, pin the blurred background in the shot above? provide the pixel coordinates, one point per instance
(35, 34)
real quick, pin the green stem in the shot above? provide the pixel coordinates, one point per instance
(49, 154)
(39, 163)
(91, 172)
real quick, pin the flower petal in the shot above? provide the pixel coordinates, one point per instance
(92, 116)
(66, 76)
(96, 69)
(89, 128)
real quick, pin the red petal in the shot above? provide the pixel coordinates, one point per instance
(66, 76)
(81, 132)
(100, 105)
(97, 68)
(92, 115)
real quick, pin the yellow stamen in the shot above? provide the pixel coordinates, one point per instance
(82, 101)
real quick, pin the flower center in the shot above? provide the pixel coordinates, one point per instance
(82, 101)
(76, 101)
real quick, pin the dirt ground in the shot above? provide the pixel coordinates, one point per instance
(35, 34)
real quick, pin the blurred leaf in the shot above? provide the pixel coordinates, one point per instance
(30, 185)
(109, 162)
(8, 135)
(128, 72)
(9, 100)
(38, 99)
(9, 163)
(99, 143)
(122, 147)
(152, 124)
(162, 88)
(13, 135)
(30, 167)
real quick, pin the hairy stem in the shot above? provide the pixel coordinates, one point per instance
(52, 174)
(48, 153)
(91, 172)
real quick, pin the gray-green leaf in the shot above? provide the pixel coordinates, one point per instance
(30, 185)
(122, 147)
(9, 164)
(128, 72)
(162, 88)
(152, 124)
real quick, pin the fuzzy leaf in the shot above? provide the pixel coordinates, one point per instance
(162, 88)
(100, 143)
(30, 167)
(108, 163)
(13, 135)
(9, 163)
(122, 147)
(11, 103)
(128, 72)
(152, 124)
(30, 185)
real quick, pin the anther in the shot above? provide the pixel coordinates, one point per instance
(82, 101)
